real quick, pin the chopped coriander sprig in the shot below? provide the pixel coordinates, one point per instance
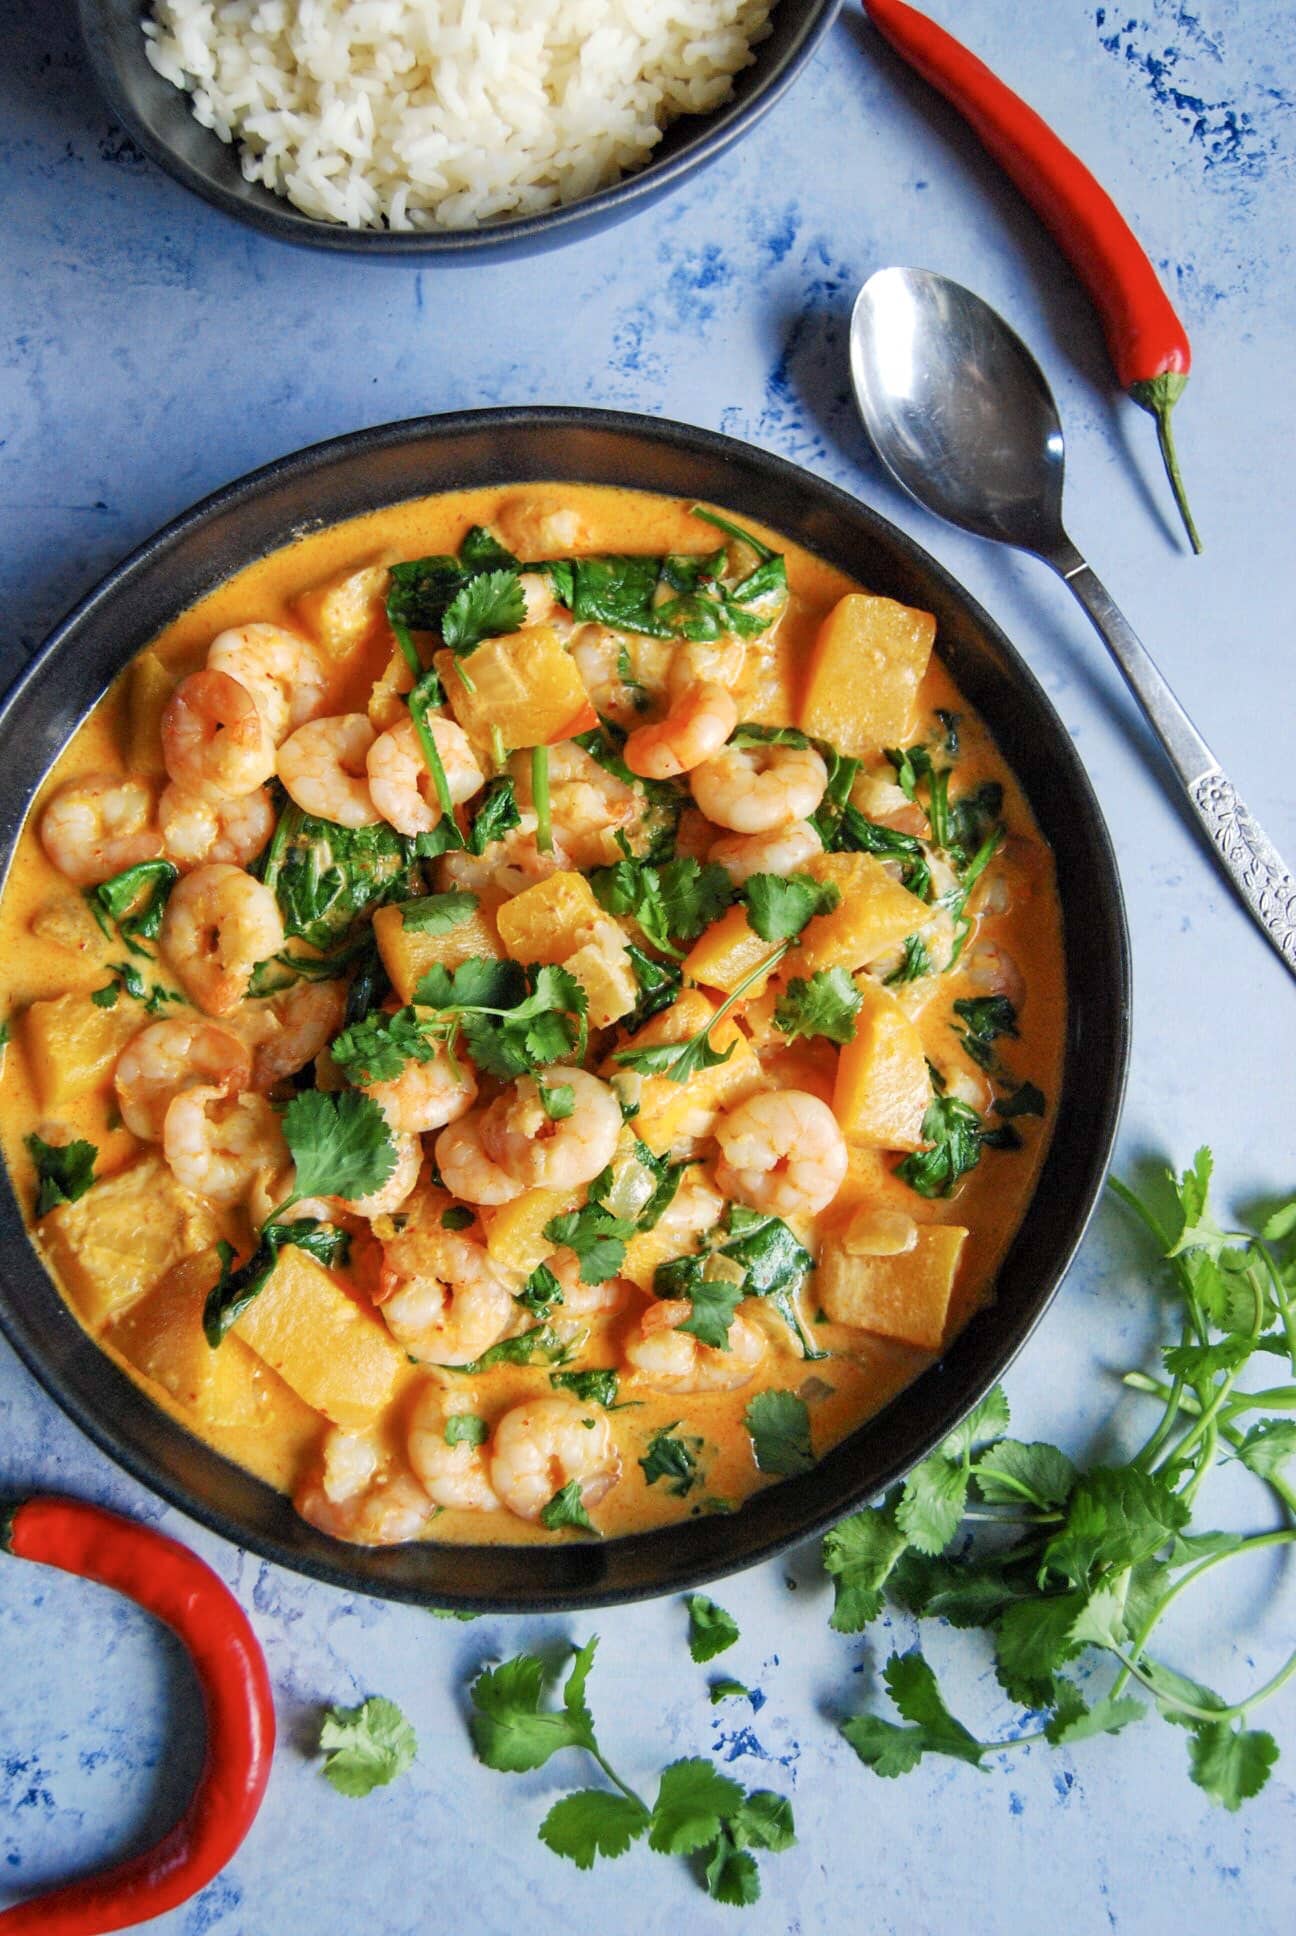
(1092, 1561)
(698, 1811)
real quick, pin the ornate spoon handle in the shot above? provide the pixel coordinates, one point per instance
(1253, 864)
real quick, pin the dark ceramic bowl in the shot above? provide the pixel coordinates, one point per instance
(158, 118)
(490, 447)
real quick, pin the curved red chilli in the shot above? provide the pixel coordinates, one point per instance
(179, 1589)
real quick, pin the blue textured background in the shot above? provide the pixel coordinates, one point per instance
(153, 351)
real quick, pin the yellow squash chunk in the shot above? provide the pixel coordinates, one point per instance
(342, 613)
(883, 1086)
(670, 1110)
(515, 1231)
(905, 1296)
(340, 1359)
(150, 685)
(726, 953)
(873, 915)
(72, 1047)
(162, 1336)
(604, 971)
(525, 685)
(407, 954)
(120, 1239)
(865, 667)
(549, 921)
(69, 924)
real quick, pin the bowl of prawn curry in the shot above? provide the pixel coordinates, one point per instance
(566, 1008)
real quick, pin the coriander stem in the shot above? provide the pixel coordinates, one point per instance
(540, 798)
(432, 759)
(1257, 1543)
(617, 1782)
(1240, 1402)
(405, 640)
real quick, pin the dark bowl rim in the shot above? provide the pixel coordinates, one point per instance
(687, 439)
(282, 219)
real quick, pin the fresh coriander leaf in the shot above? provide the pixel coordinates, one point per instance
(987, 1420)
(378, 1048)
(914, 962)
(731, 1874)
(1101, 1621)
(954, 1131)
(541, 1292)
(860, 1554)
(1076, 1722)
(693, 1800)
(1033, 1639)
(439, 913)
(1010, 1472)
(340, 1144)
(540, 1344)
(692, 895)
(367, 1746)
(107, 996)
(452, 1613)
(1024, 1100)
(457, 1217)
(1268, 1446)
(596, 1387)
(931, 1507)
(487, 606)
(557, 1099)
(64, 1171)
(912, 1686)
(987, 1017)
(1231, 1764)
(764, 1821)
(825, 1005)
(882, 1746)
(779, 1425)
(597, 1238)
(510, 1731)
(678, 1060)
(592, 1822)
(779, 906)
(714, 1302)
(1280, 1224)
(466, 1428)
(711, 1629)
(1117, 1515)
(672, 1459)
(496, 814)
(481, 550)
(727, 1690)
(567, 1508)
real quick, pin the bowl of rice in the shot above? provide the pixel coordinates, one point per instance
(441, 127)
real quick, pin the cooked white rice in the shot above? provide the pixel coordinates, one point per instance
(414, 114)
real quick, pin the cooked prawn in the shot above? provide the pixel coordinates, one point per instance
(756, 789)
(781, 852)
(991, 970)
(97, 826)
(467, 1168)
(219, 923)
(694, 730)
(879, 799)
(386, 703)
(426, 1095)
(399, 1186)
(715, 662)
(582, 1300)
(216, 1143)
(354, 1492)
(400, 785)
(451, 1473)
(288, 1030)
(548, 1443)
(520, 1136)
(442, 1297)
(214, 739)
(588, 806)
(322, 765)
(781, 1150)
(196, 828)
(539, 601)
(671, 1360)
(532, 532)
(621, 671)
(280, 669)
(168, 1057)
(506, 867)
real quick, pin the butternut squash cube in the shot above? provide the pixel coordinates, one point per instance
(407, 953)
(604, 970)
(874, 914)
(726, 952)
(114, 1244)
(72, 1047)
(670, 1111)
(162, 1337)
(883, 1086)
(523, 684)
(338, 1357)
(69, 924)
(906, 1296)
(865, 668)
(149, 688)
(515, 1231)
(343, 612)
(549, 921)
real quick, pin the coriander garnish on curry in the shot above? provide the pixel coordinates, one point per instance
(534, 1013)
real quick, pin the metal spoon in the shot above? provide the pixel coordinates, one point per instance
(960, 413)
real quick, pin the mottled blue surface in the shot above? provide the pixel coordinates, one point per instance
(154, 351)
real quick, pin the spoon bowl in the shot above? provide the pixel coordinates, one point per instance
(961, 415)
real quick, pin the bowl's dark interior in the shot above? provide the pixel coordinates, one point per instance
(384, 466)
(159, 118)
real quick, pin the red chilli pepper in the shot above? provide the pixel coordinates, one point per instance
(173, 1584)
(1147, 341)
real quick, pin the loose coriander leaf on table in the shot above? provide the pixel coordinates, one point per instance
(891, 1750)
(1010, 1472)
(693, 1800)
(779, 1425)
(860, 1555)
(711, 1629)
(510, 1730)
(931, 1507)
(593, 1822)
(1117, 1515)
(727, 1690)
(731, 1875)
(764, 1821)
(367, 1746)
(1231, 1764)
(1076, 1722)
